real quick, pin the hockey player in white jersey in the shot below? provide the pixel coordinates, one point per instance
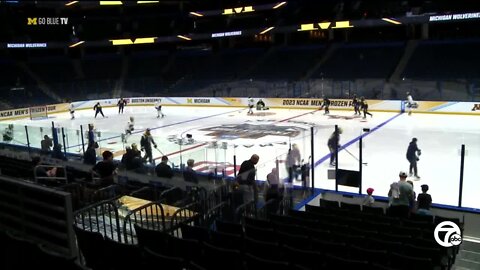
(158, 107)
(128, 129)
(251, 103)
(410, 104)
(72, 111)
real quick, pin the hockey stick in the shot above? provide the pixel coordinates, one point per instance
(363, 163)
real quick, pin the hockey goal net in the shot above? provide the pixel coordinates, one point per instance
(38, 112)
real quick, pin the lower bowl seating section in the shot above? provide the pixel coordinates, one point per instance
(318, 238)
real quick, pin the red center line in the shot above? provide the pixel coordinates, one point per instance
(183, 150)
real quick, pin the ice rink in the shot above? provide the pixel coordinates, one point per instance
(220, 133)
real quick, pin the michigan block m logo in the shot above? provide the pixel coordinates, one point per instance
(32, 21)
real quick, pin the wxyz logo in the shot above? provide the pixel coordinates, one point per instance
(451, 234)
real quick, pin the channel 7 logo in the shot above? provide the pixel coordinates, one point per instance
(447, 234)
(47, 21)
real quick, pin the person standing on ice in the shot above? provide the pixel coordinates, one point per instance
(158, 107)
(251, 103)
(98, 109)
(121, 104)
(326, 104)
(410, 104)
(333, 144)
(413, 153)
(72, 111)
(146, 145)
(128, 129)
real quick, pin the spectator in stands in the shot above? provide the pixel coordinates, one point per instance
(369, 200)
(412, 203)
(46, 145)
(424, 201)
(400, 204)
(246, 179)
(40, 171)
(58, 153)
(105, 169)
(90, 156)
(189, 174)
(132, 159)
(293, 162)
(273, 184)
(91, 136)
(163, 169)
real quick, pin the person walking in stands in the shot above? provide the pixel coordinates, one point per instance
(163, 169)
(403, 197)
(91, 136)
(46, 145)
(246, 179)
(121, 104)
(105, 169)
(424, 202)
(293, 162)
(190, 175)
(413, 153)
(326, 104)
(146, 145)
(333, 144)
(90, 156)
(98, 109)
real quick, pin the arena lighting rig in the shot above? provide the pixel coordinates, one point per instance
(237, 10)
(313, 26)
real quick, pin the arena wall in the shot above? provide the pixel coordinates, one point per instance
(435, 107)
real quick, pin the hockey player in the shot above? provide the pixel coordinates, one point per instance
(121, 104)
(326, 104)
(413, 153)
(364, 106)
(72, 111)
(8, 133)
(98, 109)
(333, 144)
(128, 129)
(356, 105)
(261, 105)
(251, 103)
(158, 107)
(146, 145)
(410, 104)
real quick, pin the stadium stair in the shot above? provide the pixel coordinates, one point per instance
(328, 53)
(468, 257)
(407, 54)
(41, 84)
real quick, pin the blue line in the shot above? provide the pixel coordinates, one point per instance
(172, 100)
(223, 101)
(320, 161)
(169, 125)
(316, 192)
(443, 106)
